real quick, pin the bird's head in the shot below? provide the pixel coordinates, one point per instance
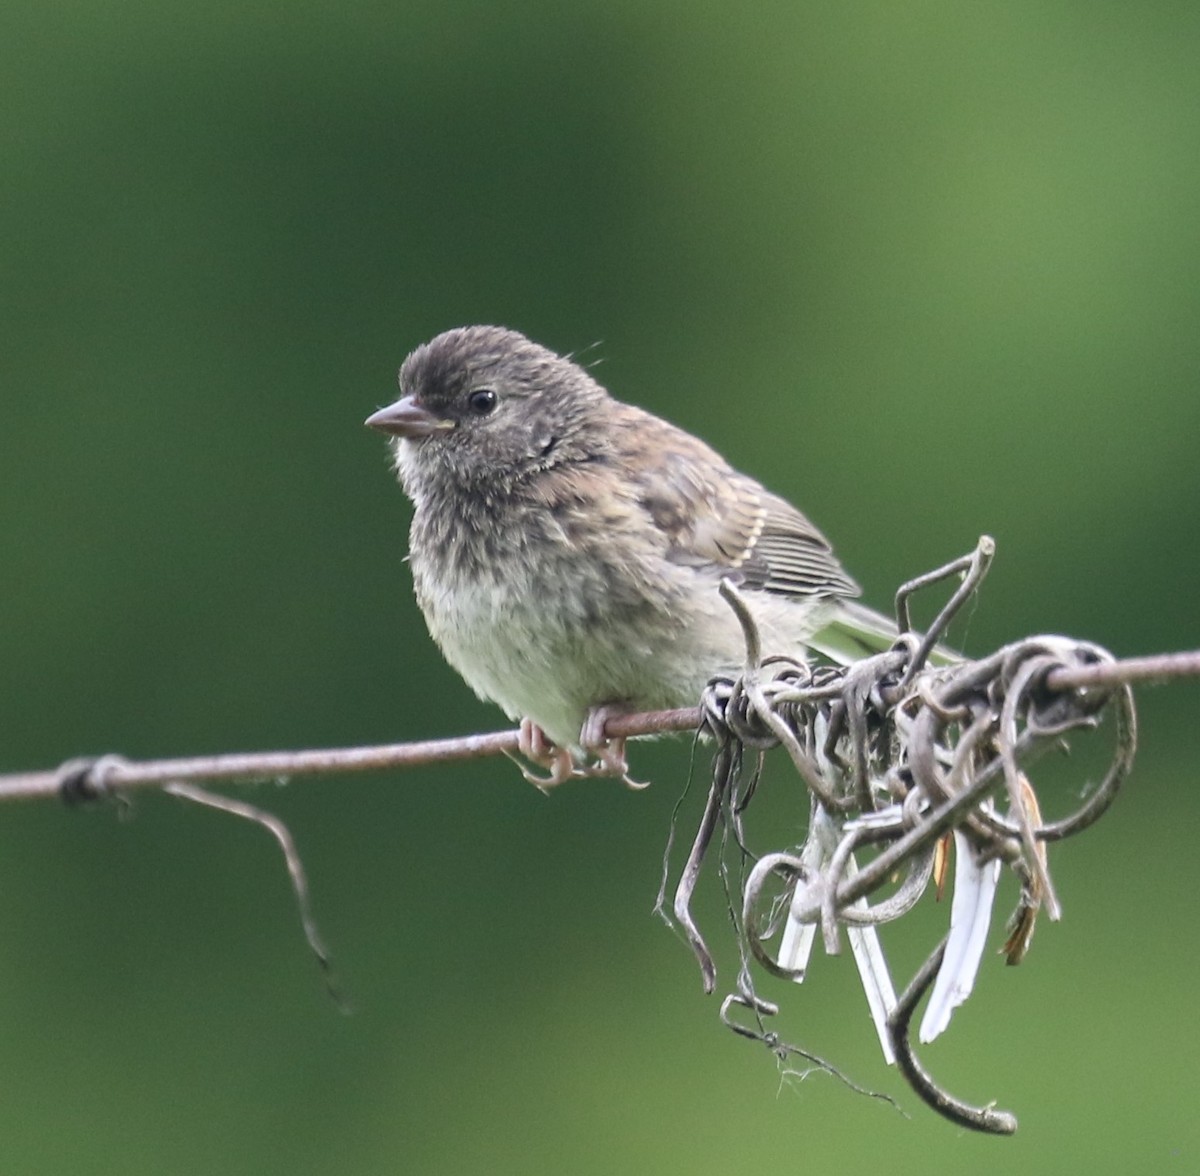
(482, 407)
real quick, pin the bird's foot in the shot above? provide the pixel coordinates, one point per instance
(539, 751)
(606, 757)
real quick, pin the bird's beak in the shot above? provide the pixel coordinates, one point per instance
(407, 418)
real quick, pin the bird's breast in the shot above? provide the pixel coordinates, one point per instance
(548, 623)
(539, 622)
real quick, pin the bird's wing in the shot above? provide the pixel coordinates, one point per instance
(712, 516)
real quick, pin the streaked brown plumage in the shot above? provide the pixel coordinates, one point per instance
(566, 548)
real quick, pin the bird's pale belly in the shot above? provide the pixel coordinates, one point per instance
(541, 652)
(541, 657)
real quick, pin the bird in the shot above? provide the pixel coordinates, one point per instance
(567, 548)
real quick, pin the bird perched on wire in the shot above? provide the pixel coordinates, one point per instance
(567, 548)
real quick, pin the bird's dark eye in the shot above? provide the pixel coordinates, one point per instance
(482, 401)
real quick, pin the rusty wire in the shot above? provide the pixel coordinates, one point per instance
(897, 752)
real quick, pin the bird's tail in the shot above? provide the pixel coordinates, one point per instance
(856, 631)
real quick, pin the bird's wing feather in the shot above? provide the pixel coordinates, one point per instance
(712, 516)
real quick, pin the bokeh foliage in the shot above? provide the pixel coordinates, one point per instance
(927, 269)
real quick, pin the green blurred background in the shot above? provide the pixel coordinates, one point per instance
(930, 270)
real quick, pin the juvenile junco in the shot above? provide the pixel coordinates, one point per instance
(566, 548)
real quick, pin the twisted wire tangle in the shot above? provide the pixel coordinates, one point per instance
(898, 751)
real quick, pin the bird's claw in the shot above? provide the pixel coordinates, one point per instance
(539, 751)
(606, 756)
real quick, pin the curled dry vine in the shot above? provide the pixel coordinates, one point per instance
(901, 754)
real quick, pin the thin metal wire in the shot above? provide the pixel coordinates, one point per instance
(295, 867)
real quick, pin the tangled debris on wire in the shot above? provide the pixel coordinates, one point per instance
(902, 754)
